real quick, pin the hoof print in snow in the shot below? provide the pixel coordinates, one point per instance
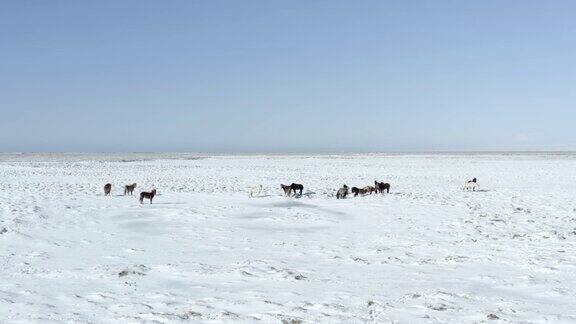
(137, 270)
(124, 273)
(3, 230)
(292, 321)
(246, 273)
(229, 315)
(300, 277)
(439, 307)
(190, 315)
(492, 317)
(360, 260)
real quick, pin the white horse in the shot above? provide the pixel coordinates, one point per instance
(471, 185)
(255, 191)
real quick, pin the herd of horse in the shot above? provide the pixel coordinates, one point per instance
(294, 189)
(379, 187)
(129, 190)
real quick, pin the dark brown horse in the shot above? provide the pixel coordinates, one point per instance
(107, 189)
(148, 195)
(381, 186)
(293, 187)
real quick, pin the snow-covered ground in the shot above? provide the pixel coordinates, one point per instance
(205, 251)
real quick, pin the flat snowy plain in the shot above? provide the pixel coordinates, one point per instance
(205, 251)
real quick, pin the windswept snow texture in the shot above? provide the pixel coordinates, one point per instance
(205, 251)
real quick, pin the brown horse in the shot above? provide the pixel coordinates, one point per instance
(363, 191)
(287, 190)
(129, 189)
(368, 190)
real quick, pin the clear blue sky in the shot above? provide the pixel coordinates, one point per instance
(245, 76)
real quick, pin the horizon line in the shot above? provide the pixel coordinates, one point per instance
(295, 152)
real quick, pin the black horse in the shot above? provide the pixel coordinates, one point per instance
(297, 187)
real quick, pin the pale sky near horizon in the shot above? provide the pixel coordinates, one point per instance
(294, 76)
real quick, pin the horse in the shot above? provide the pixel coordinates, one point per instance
(255, 191)
(470, 185)
(381, 186)
(368, 190)
(107, 189)
(129, 189)
(148, 195)
(297, 187)
(293, 187)
(287, 190)
(342, 192)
